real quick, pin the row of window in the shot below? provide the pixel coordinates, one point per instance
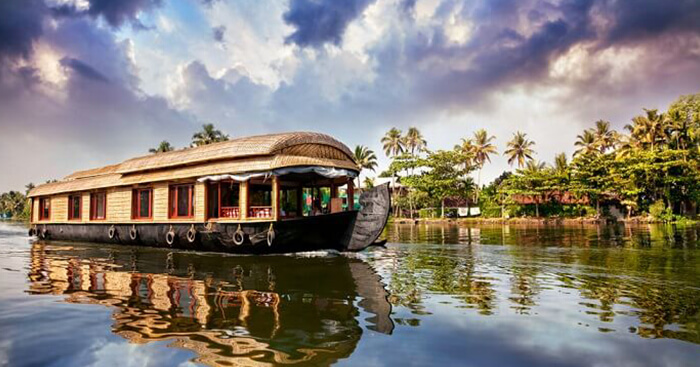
(181, 204)
(98, 207)
(223, 198)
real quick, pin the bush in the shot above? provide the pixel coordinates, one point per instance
(657, 210)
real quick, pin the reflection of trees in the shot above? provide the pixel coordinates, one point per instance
(524, 288)
(419, 271)
(648, 273)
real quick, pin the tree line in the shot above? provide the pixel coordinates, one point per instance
(650, 167)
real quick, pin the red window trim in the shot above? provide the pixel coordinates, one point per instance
(172, 201)
(218, 199)
(93, 205)
(41, 208)
(71, 206)
(136, 203)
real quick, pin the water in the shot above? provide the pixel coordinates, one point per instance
(436, 295)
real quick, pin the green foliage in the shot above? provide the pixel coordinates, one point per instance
(657, 210)
(14, 204)
(442, 175)
(652, 168)
(208, 135)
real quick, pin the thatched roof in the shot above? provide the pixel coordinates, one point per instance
(255, 153)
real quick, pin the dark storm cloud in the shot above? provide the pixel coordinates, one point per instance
(83, 69)
(20, 24)
(321, 21)
(218, 33)
(640, 19)
(115, 12)
(503, 52)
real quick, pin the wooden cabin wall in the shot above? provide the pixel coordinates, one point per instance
(200, 201)
(119, 204)
(35, 210)
(160, 202)
(85, 210)
(59, 208)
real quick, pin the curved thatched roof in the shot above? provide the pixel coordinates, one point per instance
(248, 154)
(236, 148)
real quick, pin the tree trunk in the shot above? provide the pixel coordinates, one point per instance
(442, 204)
(537, 209)
(597, 206)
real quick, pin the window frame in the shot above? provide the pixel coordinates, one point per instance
(136, 203)
(93, 205)
(42, 201)
(71, 207)
(172, 201)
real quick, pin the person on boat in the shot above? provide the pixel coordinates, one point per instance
(317, 207)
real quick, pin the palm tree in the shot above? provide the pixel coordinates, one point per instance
(534, 166)
(365, 158)
(587, 143)
(208, 135)
(466, 149)
(393, 142)
(605, 138)
(649, 129)
(560, 163)
(414, 140)
(163, 147)
(681, 128)
(519, 149)
(483, 149)
(29, 187)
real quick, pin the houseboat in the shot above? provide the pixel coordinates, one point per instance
(274, 193)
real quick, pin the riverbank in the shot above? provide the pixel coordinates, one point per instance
(543, 220)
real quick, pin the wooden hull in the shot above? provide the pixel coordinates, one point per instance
(345, 231)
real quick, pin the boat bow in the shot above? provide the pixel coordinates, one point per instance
(372, 217)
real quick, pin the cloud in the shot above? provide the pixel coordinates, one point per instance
(83, 69)
(20, 25)
(218, 33)
(73, 101)
(321, 21)
(79, 81)
(115, 13)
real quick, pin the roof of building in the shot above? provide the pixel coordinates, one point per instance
(247, 154)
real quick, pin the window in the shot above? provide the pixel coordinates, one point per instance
(182, 201)
(260, 201)
(98, 206)
(223, 200)
(289, 202)
(74, 207)
(142, 203)
(260, 195)
(44, 208)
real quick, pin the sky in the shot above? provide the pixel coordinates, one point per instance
(85, 83)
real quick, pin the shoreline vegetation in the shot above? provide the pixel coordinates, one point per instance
(649, 172)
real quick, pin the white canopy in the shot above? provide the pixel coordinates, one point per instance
(329, 172)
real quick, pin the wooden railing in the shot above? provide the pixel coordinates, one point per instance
(230, 212)
(260, 212)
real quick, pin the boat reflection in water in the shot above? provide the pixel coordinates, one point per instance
(230, 310)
